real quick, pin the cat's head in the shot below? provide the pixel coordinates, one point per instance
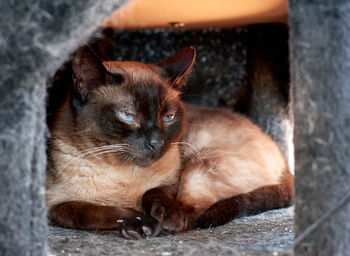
(132, 111)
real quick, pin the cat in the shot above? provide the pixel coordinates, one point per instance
(126, 153)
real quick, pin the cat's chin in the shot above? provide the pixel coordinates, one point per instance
(140, 162)
(144, 163)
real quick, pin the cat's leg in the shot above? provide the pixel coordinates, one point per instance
(197, 202)
(251, 203)
(266, 197)
(161, 204)
(88, 216)
(178, 207)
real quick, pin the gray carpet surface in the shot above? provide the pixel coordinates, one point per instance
(270, 233)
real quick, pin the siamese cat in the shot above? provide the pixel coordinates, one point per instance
(126, 153)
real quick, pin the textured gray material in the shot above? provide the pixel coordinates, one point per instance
(320, 75)
(270, 233)
(268, 82)
(219, 75)
(35, 38)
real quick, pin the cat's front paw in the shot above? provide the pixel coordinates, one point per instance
(137, 227)
(171, 216)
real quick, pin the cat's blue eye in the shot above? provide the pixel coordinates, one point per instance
(169, 118)
(126, 116)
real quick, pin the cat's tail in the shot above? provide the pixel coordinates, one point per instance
(251, 203)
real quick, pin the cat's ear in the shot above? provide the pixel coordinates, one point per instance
(178, 67)
(88, 70)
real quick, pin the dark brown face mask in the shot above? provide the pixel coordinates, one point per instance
(130, 103)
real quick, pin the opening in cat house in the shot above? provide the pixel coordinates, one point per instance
(223, 56)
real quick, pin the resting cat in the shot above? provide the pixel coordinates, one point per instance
(126, 153)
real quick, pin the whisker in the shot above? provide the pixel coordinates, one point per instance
(91, 152)
(105, 152)
(188, 150)
(187, 144)
(106, 146)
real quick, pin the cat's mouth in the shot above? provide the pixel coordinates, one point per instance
(143, 160)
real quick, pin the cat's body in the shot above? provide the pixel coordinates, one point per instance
(173, 165)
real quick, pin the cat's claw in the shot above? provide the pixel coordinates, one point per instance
(139, 227)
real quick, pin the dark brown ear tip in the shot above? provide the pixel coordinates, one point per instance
(188, 53)
(194, 52)
(191, 49)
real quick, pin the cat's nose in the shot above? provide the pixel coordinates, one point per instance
(154, 143)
